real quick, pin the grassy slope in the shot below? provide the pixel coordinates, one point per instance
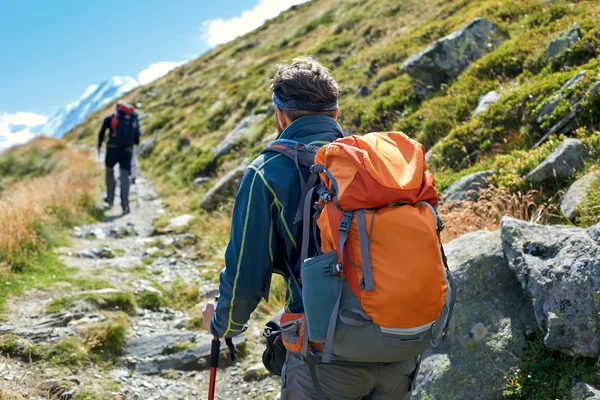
(364, 42)
(47, 187)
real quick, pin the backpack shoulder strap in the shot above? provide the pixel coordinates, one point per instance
(301, 154)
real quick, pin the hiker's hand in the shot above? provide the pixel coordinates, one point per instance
(207, 315)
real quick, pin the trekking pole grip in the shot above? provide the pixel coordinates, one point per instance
(214, 352)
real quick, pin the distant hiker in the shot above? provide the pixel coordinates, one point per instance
(124, 128)
(352, 227)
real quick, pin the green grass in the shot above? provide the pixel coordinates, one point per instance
(546, 374)
(107, 339)
(147, 261)
(195, 323)
(589, 210)
(151, 300)
(119, 301)
(43, 273)
(181, 295)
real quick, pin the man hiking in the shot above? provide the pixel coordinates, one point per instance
(124, 133)
(368, 361)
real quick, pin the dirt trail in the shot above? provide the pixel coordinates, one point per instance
(163, 359)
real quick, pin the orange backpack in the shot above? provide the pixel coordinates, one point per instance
(379, 288)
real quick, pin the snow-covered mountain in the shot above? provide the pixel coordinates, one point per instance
(91, 100)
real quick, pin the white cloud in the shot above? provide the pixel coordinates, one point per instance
(19, 127)
(156, 70)
(221, 31)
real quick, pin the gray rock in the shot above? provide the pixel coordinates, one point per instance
(490, 320)
(151, 346)
(564, 162)
(255, 373)
(237, 135)
(363, 91)
(563, 42)
(468, 187)
(96, 253)
(225, 187)
(583, 391)
(146, 147)
(549, 107)
(201, 180)
(576, 194)
(446, 58)
(559, 269)
(486, 101)
(195, 358)
(180, 222)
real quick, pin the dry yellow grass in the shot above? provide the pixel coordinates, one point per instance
(28, 209)
(486, 213)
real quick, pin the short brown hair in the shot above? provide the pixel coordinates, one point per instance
(304, 79)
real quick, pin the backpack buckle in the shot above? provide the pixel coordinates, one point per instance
(346, 221)
(324, 194)
(333, 269)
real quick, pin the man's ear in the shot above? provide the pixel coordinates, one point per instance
(282, 119)
(336, 114)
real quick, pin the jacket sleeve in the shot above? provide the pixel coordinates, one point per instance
(105, 126)
(249, 256)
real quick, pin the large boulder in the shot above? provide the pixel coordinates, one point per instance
(583, 391)
(226, 186)
(563, 41)
(486, 101)
(576, 194)
(491, 318)
(564, 162)
(467, 187)
(559, 269)
(240, 133)
(446, 58)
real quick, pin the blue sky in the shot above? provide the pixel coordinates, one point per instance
(51, 51)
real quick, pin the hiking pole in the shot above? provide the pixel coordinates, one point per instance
(215, 350)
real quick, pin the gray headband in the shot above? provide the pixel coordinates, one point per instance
(287, 104)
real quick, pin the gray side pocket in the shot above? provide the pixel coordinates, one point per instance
(319, 294)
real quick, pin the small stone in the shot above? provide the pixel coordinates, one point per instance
(180, 222)
(486, 101)
(255, 373)
(152, 251)
(363, 91)
(201, 180)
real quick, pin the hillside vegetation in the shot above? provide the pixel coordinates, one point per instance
(190, 110)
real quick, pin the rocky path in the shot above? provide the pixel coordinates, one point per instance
(149, 277)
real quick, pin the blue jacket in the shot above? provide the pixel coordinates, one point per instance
(263, 232)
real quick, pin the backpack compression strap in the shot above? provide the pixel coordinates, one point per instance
(303, 155)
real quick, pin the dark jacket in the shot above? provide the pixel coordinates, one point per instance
(106, 125)
(263, 230)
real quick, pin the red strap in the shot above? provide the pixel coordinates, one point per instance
(114, 122)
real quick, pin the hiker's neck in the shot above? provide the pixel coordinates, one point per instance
(309, 125)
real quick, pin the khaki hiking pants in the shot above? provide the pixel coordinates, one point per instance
(373, 381)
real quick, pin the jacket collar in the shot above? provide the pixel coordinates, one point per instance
(311, 127)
